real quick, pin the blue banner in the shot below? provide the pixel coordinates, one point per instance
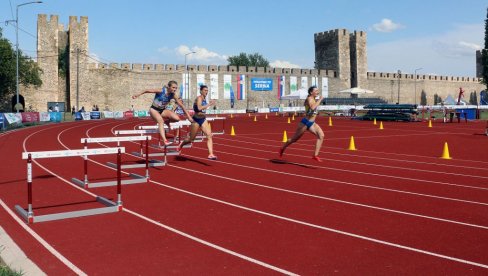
(274, 109)
(261, 84)
(78, 116)
(95, 115)
(2, 121)
(55, 116)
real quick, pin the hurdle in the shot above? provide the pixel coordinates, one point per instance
(110, 206)
(136, 177)
(211, 119)
(164, 153)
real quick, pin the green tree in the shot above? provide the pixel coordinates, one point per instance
(475, 98)
(423, 98)
(436, 99)
(244, 59)
(484, 54)
(28, 70)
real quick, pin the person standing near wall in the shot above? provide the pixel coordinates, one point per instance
(308, 123)
(158, 110)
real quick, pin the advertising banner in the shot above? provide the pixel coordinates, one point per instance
(30, 117)
(281, 86)
(108, 114)
(118, 114)
(214, 86)
(55, 116)
(241, 87)
(261, 84)
(44, 116)
(13, 118)
(227, 86)
(2, 121)
(293, 85)
(85, 115)
(128, 114)
(78, 116)
(304, 83)
(95, 115)
(325, 87)
(200, 81)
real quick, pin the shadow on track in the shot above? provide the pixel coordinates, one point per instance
(284, 162)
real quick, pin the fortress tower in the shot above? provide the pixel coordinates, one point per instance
(47, 52)
(78, 61)
(343, 52)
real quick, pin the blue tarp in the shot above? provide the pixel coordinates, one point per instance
(55, 116)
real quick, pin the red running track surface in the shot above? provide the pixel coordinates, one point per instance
(392, 206)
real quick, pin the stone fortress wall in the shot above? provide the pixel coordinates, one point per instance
(339, 55)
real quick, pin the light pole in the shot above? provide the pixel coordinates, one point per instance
(415, 83)
(17, 47)
(187, 77)
(399, 73)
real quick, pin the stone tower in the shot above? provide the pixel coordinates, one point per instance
(343, 52)
(78, 61)
(359, 61)
(47, 52)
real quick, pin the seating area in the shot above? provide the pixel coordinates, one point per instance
(352, 101)
(390, 112)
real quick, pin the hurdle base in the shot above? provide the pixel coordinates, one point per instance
(111, 207)
(136, 179)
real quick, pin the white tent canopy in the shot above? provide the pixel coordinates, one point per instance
(357, 90)
(300, 94)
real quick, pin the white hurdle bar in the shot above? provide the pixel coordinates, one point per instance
(136, 177)
(211, 119)
(165, 151)
(111, 206)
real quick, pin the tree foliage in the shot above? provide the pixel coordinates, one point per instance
(244, 59)
(29, 72)
(423, 98)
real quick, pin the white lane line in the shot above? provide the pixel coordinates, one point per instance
(456, 166)
(217, 247)
(351, 183)
(326, 228)
(357, 162)
(332, 199)
(348, 171)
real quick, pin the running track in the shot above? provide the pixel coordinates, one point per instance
(391, 207)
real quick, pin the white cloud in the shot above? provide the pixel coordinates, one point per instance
(283, 64)
(386, 26)
(201, 55)
(448, 54)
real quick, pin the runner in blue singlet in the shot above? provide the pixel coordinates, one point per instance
(163, 106)
(199, 121)
(308, 123)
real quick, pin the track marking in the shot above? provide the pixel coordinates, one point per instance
(327, 228)
(350, 183)
(332, 199)
(43, 242)
(356, 172)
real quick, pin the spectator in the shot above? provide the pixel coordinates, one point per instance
(56, 108)
(73, 110)
(50, 109)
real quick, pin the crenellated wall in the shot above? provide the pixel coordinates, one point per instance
(341, 60)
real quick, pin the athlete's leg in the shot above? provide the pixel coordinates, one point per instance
(298, 134)
(159, 119)
(193, 133)
(319, 133)
(208, 132)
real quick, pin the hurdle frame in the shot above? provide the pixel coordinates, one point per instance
(110, 206)
(136, 177)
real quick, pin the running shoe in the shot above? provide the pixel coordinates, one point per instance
(316, 158)
(167, 143)
(212, 157)
(180, 147)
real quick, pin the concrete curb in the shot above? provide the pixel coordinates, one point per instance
(15, 258)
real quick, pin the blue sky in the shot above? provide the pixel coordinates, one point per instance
(440, 37)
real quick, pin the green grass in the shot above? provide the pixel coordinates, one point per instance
(6, 271)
